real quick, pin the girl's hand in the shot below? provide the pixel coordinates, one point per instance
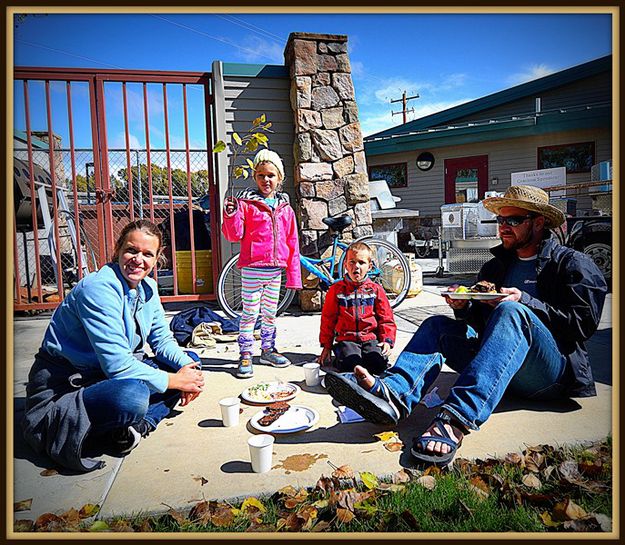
(230, 205)
(325, 356)
(187, 379)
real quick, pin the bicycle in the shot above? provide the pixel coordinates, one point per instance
(390, 269)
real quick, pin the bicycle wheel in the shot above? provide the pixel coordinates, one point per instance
(390, 268)
(229, 290)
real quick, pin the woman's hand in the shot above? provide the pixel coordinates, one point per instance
(187, 379)
(230, 205)
(187, 397)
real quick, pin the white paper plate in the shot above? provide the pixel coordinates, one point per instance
(268, 392)
(476, 296)
(297, 418)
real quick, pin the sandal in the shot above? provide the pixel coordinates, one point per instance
(420, 442)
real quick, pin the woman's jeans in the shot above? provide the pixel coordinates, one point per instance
(516, 353)
(113, 404)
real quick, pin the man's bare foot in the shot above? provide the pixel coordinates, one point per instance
(438, 447)
(365, 379)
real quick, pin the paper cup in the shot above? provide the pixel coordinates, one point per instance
(230, 411)
(311, 372)
(261, 452)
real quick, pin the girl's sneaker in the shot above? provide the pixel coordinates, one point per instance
(245, 369)
(273, 357)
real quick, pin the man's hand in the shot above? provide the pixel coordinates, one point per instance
(325, 356)
(385, 347)
(511, 294)
(230, 205)
(456, 304)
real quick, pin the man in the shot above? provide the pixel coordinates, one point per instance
(530, 342)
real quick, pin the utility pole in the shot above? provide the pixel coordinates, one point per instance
(404, 99)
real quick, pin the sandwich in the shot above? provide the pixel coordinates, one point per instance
(483, 286)
(273, 412)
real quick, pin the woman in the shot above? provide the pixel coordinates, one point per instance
(91, 383)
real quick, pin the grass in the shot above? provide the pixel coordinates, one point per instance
(543, 490)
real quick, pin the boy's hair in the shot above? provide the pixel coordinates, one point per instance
(360, 247)
(269, 156)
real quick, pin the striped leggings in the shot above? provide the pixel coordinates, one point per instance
(260, 291)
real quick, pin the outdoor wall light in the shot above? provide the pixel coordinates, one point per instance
(425, 161)
(494, 180)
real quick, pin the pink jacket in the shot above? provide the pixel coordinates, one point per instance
(268, 237)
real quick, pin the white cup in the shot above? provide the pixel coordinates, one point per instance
(261, 452)
(311, 371)
(230, 411)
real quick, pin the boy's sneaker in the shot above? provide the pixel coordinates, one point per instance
(245, 369)
(273, 357)
(126, 439)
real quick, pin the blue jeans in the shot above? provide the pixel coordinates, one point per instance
(516, 353)
(113, 403)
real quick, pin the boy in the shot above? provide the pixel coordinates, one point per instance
(357, 314)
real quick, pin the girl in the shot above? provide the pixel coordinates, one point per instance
(262, 220)
(91, 383)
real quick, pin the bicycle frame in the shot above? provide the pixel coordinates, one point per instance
(327, 277)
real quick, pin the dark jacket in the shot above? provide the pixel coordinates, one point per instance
(356, 312)
(571, 293)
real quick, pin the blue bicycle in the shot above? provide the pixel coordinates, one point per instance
(390, 269)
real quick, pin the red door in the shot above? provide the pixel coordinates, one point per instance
(466, 179)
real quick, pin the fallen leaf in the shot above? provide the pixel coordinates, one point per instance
(591, 469)
(200, 513)
(223, 516)
(534, 461)
(347, 498)
(23, 505)
(547, 472)
(99, 526)
(479, 486)
(391, 487)
(71, 518)
(530, 480)
(321, 504)
(401, 476)
(369, 479)
(427, 481)
(567, 510)
(121, 526)
(309, 515)
(393, 446)
(250, 503)
(144, 526)
(88, 510)
(24, 525)
(321, 526)
(288, 490)
(433, 470)
(569, 471)
(325, 484)
(514, 458)
(386, 435)
(586, 524)
(343, 472)
(49, 522)
(410, 520)
(604, 521)
(548, 521)
(49, 472)
(292, 523)
(344, 515)
(537, 499)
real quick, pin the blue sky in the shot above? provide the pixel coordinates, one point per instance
(446, 58)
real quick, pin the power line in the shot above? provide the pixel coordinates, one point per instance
(231, 44)
(67, 53)
(253, 28)
(404, 99)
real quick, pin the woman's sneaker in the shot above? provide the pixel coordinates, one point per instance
(126, 439)
(245, 369)
(273, 357)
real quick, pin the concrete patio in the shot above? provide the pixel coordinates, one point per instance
(192, 457)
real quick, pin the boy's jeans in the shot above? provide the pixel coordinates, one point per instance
(115, 404)
(516, 353)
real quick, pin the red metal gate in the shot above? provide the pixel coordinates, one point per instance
(143, 140)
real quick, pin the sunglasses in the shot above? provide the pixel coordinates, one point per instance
(513, 221)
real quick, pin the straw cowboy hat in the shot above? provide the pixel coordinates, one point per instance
(529, 198)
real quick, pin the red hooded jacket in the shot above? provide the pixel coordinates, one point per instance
(356, 312)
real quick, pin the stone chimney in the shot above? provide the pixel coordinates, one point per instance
(330, 167)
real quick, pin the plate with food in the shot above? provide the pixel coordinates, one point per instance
(482, 291)
(269, 392)
(280, 417)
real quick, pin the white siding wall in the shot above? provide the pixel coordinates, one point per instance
(426, 190)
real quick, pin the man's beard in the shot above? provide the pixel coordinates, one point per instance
(518, 243)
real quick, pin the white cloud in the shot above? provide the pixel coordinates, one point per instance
(119, 141)
(358, 69)
(258, 50)
(531, 73)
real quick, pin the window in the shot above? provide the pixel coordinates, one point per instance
(575, 157)
(396, 174)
